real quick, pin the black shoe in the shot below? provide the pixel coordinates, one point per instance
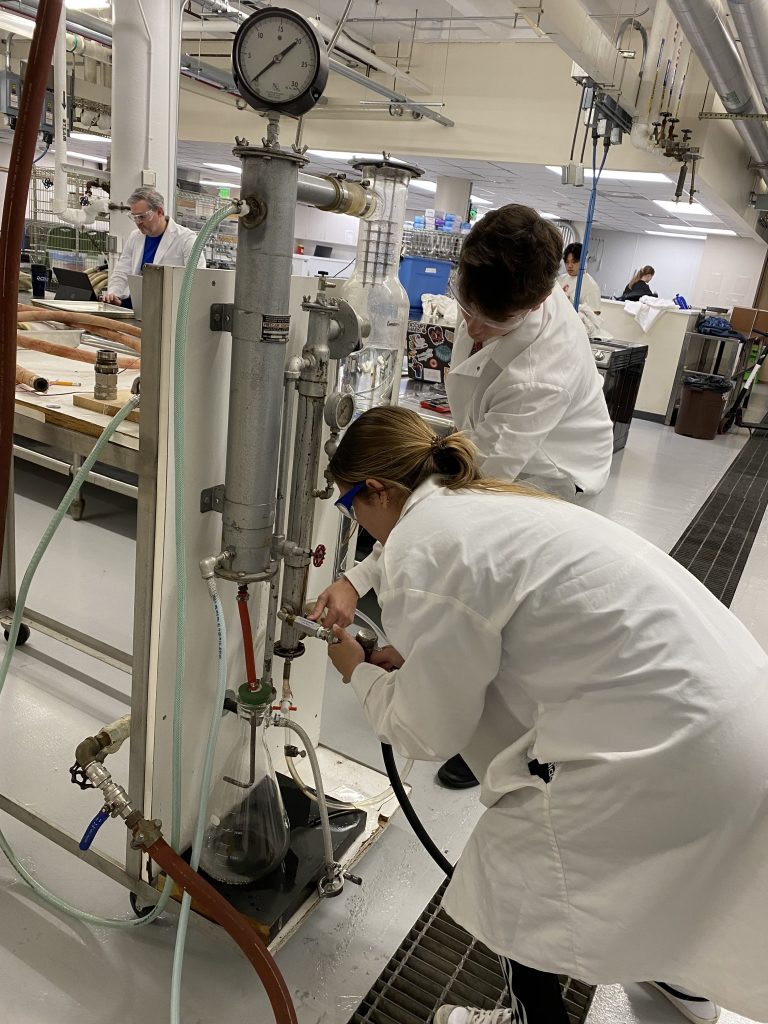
(456, 774)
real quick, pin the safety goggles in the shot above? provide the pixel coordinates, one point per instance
(344, 503)
(471, 314)
(138, 218)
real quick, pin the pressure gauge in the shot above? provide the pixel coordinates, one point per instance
(279, 62)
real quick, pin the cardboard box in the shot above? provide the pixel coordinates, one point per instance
(429, 351)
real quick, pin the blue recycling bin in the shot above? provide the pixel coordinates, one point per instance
(420, 275)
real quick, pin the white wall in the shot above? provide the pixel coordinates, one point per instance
(730, 272)
(676, 261)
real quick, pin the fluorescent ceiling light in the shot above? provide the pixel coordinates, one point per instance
(86, 5)
(225, 167)
(478, 201)
(548, 216)
(621, 175)
(663, 234)
(222, 184)
(335, 154)
(87, 156)
(683, 209)
(704, 231)
(89, 137)
(427, 186)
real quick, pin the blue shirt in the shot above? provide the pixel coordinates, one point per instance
(150, 248)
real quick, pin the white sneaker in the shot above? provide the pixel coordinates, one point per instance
(697, 1009)
(448, 1014)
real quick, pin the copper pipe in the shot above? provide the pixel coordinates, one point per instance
(245, 622)
(61, 316)
(12, 226)
(31, 379)
(79, 355)
(215, 906)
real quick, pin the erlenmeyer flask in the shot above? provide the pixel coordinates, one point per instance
(248, 832)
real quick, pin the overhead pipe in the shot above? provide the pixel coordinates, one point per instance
(12, 227)
(344, 45)
(751, 20)
(716, 50)
(336, 195)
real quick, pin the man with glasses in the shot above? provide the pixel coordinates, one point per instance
(523, 385)
(157, 239)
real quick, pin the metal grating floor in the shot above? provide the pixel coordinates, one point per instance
(715, 546)
(439, 962)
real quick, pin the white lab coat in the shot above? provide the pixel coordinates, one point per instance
(590, 290)
(533, 628)
(174, 251)
(532, 401)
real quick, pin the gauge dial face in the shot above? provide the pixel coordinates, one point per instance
(278, 62)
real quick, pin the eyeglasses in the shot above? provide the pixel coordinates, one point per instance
(471, 314)
(137, 218)
(344, 503)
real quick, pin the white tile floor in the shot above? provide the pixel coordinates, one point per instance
(55, 970)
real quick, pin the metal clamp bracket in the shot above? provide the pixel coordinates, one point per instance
(222, 316)
(212, 499)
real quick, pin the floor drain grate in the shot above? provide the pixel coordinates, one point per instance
(715, 546)
(439, 962)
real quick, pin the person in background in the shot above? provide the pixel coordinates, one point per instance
(590, 289)
(639, 286)
(614, 709)
(523, 386)
(157, 239)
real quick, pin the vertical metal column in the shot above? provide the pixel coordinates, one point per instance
(259, 339)
(312, 389)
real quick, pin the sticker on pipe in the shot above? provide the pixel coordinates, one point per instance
(275, 328)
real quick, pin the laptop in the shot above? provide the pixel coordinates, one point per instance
(74, 284)
(135, 282)
(323, 251)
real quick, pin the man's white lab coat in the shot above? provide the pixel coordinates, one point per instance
(532, 628)
(590, 290)
(532, 401)
(174, 251)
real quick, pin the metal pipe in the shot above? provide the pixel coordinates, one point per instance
(751, 20)
(335, 195)
(312, 388)
(108, 483)
(259, 339)
(714, 46)
(383, 90)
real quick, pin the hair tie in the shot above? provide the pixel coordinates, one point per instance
(437, 444)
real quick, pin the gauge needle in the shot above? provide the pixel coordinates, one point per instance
(277, 58)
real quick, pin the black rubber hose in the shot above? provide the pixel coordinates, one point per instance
(413, 819)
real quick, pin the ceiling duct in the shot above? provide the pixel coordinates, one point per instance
(750, 18)
(713, 44)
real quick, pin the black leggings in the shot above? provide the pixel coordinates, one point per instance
(535, 996)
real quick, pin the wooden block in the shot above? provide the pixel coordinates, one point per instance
(107, 408)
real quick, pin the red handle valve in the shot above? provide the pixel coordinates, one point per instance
(318, 555)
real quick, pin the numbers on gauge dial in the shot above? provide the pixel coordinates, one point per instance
(278, 59)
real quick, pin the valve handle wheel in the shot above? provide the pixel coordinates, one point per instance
(79, 778)
(318, 555)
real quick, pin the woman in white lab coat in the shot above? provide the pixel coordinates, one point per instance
(523, 384)
(615, 712)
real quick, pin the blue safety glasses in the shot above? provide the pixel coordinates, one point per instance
(344, 503)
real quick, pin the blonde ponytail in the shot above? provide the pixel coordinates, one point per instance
(398, 448)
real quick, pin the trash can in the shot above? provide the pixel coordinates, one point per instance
(702, 406)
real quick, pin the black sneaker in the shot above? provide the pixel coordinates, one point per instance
(456, 774)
